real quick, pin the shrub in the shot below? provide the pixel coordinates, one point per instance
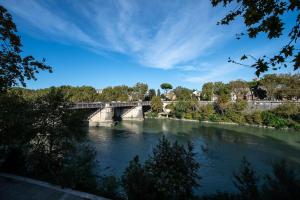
(188, 116)
(271, 119)
(234, 112)
(206, 112)
(170, 173)
(254, 118)
(290, 111)
(156, 104)
(196, 115)
(181, 108)
(215, 118)
(151, 114)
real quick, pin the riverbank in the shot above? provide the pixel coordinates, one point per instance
(223, 123)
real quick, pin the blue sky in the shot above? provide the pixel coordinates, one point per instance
(113, 42)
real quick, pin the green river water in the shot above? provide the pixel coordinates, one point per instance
(219, 148)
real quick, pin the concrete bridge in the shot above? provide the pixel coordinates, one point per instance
(108, 112)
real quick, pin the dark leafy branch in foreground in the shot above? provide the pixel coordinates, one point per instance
(14, 68)
(266, 16)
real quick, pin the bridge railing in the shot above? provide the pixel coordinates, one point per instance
(85, 105)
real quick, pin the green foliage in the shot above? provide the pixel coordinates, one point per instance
(166, 87)
(267, 17)
(170, 173)
(271, 119)
(283, 184)
(41, 137)
(245, 180)
(158, 93)
(183, 94)
(139, 91)
(156, 104)
(117, 93)
(234, 111)
(16, 120)
(109, 187)
(188, 115)
(136, 181)
(254, 118)
(222, 103)
(180, 108)
(207, 91)
(239, 88)
(14, 68)
(288, 110)
(152, 114)
(151, 94)
(206, 112)
(77, 169)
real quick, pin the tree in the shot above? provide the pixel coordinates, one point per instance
(256, 90)
(246, 181)
(166, 87)
(223, 93)
(282, 184)
(136, 182)
(158, 93)
(180, 108)
(173, 169)
(117, 93)
(171, 172)
(151, 93)
(266, 16)
(156, 104)
(270, 83)
(207, 91)
(239, 88)
(14, 68)
(139, 91)
(183, 93)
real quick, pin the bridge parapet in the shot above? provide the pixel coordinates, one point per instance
(90, 105)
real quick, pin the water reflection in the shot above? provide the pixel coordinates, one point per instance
(219, 148)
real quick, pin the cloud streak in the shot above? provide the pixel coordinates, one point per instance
(159, 34)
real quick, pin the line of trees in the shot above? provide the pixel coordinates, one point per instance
(41, 137)
(270, 87)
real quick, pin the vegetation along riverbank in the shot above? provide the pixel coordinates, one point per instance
(41, 133)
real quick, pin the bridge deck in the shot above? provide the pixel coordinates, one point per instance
(90, 105)
(85, 105)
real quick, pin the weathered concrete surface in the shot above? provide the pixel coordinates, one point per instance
(19, 188)
(102, 116)
(135, 113)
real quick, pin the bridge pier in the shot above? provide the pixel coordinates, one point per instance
(102, 117)
(135, 113)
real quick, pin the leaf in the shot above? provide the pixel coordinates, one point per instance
(244, 57)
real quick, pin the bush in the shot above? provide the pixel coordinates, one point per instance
(234, 112)
(271, 119)
(188, 115)
(215, 118)
(254, 118)
(156, 104)
(151, 114)
(181, 108)
(290, 111)
(170, 173)
(206, 112)
(196, 115)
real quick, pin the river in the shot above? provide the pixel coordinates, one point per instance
(219, 148)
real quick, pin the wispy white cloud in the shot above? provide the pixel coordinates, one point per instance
(160, 34)
(215, 73)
